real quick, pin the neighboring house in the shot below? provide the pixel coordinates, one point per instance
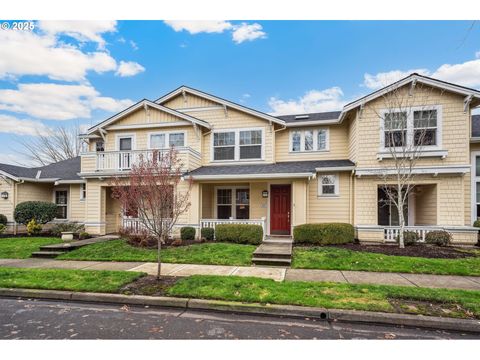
(282, 171)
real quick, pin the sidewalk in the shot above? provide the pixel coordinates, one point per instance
(275, 273)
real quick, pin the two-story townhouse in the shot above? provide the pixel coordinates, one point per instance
(282, 171)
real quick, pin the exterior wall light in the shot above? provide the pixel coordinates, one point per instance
(265, 193)
(4, 195)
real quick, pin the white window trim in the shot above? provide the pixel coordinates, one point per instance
(83, 196)
(68, 202)
(315, 140)
(237, 145)
(234, 199)
(410, 111)
(474, 180)
(123, 136)
(167, 138)
(320, 187)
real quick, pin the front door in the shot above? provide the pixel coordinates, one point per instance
(280, 203)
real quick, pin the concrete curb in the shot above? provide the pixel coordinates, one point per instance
(420, 321)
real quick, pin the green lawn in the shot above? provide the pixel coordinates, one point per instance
(330, 258)
(327, 295)
(210, 253)
(23, 247)
(74, 280)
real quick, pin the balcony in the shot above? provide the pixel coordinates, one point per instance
(112, 162)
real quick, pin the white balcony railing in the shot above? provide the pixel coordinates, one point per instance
(112, 161)
(392, 232)
(212, 223)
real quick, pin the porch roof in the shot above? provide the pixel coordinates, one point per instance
(285, 168)
(66, 170)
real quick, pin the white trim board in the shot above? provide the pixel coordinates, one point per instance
(433, 170)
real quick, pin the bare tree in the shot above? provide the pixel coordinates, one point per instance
(56, 144)
(151, 191)
(408, 126)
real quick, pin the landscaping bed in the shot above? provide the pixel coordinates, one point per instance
(150, 285)
(23, 247)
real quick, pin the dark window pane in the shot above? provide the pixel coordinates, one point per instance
(250, 137)
(425, 137)
(243, 211)
(99, 146)
(242, 197)
(61, 212)
(425, 119)
(61, 197)
(394, 121)
(224, 153)
(223, 139)
(251, 152)
(477, 166)
(224, 196)
(177, 139)
(224, 211)
(126, 144)
(395, 138)
(296, 141)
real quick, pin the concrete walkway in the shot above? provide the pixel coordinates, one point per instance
(275, 273)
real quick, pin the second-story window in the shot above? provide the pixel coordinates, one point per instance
(237, 145)
(309, 140)
(176, 139)
(165, 140)
(99, 146)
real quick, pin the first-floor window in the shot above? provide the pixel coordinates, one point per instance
(61, 200)
(233, 203)
(83, 192)
(328, 185)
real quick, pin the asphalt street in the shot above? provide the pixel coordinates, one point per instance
(41, 319)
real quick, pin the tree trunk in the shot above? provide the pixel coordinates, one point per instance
(158, 257)
(401, 219)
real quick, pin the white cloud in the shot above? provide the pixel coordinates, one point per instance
(196, 27)
(129, 68)
(80, 30)
(247, 32)
(477, 54)
(13, 125)
(58, 102)
(466, 74)
(28, 53)
(134, 45)
(383, 79)
(313, 101)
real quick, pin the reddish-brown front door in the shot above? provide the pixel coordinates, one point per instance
(280, 202)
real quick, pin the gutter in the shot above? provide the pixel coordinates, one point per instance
(254, 176)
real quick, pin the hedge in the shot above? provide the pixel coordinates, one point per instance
(438, 237)
(239, 233)
(187, 233)
(41, 211)
(208, 233)
(3, 220)
(409, 238)
(324, 234)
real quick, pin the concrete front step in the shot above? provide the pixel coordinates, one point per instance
(272, 255)
(271, 261)
(47, 254)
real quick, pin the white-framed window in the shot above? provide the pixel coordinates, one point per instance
(309, 140)
(83, 191)
(409, 128)
(61, 200)
(238, 144)
(328, 185)
(475, 193)
(164, 140)
(233, 203)
(99, 146)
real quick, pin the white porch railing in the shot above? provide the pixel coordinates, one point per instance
(133, 225)
(212, 223)
(392, 232)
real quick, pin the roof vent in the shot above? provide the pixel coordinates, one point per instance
(301, 117)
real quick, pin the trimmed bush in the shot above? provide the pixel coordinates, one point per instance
(74, 227)
(3, 220)
(239, 233)
(476, 223)
(41, 211)
(83, 235)
(208, 233)
(33, 228)
(324, 234)
(409, 238)
(438, 237)
(187, 233)
(2, 228)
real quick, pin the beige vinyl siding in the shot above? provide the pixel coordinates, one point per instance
(299, 202)
(29, 191)
(207, 201)
(141, 116)
(338, 145)
(113, 209)
(426, 205)
(258, 204)
(352, 138)
(77, 206)
(7, 206)
(188, 101)
(323, 209)
(95, 207)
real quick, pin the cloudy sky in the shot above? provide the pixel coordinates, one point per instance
(69, 73)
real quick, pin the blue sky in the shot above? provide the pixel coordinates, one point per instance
(66, 73)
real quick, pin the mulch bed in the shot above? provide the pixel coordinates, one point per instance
(429, 308)
(425, 251)
(149, 285)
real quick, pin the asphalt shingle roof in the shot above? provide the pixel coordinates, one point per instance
(287, 167)
(64, 170)
(330, 115)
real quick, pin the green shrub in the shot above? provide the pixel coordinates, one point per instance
(83, 235)
(33, 228)
(409, 238)
(41, 211)
(324, 234)
(187, 233)
(476, 223)
(2, 228)
(438, 237)
(3, 220)
(239, 233)
(74, 227)
(208, 233)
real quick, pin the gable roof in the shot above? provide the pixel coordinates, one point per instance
(66, 170)
(219, 100)
(143, 103)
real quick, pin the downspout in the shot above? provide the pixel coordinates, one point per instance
(15, 193)
(352, 198)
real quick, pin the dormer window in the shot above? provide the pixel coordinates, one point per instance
(309, 140)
